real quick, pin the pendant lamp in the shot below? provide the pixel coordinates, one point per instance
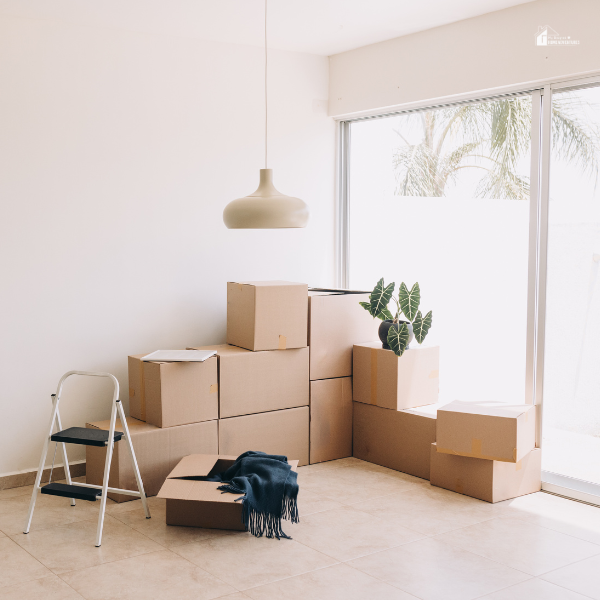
(266, 208)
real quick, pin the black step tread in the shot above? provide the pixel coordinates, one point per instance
(84, 436)
(78, 492)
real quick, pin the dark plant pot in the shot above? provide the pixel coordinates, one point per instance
(383, 332)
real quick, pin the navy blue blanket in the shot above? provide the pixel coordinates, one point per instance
(269, 488)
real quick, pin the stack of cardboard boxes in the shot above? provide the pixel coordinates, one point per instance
(336, 321)
(392, 425)
(486, 450)
(263, 370)
(294, 379)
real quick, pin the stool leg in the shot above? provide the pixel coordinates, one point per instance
(65, 459)
(136, 470)
(38, 477)
(109, 453)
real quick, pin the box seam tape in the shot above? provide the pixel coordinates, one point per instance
(466, 454)
(374, 376)
(142, 392)
(282, 342)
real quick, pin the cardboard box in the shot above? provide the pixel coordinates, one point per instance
(400, 440)
(253, 382)
(489, 480)
(383, 379)
(490, 430)
(267, 315)
(330, 419)
(137, 398)
(282, 432)
(193, 503)
(167, 394)
(336, 322)
(157, 452)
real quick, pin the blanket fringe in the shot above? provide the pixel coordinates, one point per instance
(261, 523)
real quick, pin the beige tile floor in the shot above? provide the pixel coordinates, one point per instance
(366, 533)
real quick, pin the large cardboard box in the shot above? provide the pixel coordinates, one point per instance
(179, 393)
(336, 322)
(169, 394)
(282, 432)
(157, 451)
(330, 419)
(194, 503)
(137, 398)
(253, 382)
(383, 379)
(400, 440)
(489, 480)
(267, 315)
(490, 430)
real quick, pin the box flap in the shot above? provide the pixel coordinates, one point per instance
(222, 349)
(268, 283)
(490, 409)
(176, 487)
(318, 291)
(194, 465)
(135, 426)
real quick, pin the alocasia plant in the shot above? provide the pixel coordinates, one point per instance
(407, 304)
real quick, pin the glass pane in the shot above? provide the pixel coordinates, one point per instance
(441, 197)
(571, 409)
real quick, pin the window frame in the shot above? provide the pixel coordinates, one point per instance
(541, 134)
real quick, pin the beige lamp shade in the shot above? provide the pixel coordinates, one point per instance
(266, 208)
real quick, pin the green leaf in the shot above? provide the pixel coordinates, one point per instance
(397, 338)
(380, 297)
(385, 314)
(366, 306)
(409, 301)
(421, 326)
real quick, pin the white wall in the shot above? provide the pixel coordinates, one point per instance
(492, 50)
(118, 153)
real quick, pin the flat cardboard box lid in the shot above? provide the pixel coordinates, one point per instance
(181, 485)
(332, 292)
(488, 409)
(268, 283)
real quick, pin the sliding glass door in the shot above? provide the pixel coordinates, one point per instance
(493, 206)
(571, 392)
(441, 197)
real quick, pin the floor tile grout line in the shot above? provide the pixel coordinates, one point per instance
(505, 565)
(550, 528)
(204, 570)
(253, 587)
(32, 556)
(456, 548)
(383, 580)
(67, 583)
(562, 587)
(108, 562)
(506, 588)
(534, 525)
(565, 566)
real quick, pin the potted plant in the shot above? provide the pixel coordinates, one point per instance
(396, 334)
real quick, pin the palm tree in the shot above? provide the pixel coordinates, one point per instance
(490, 136)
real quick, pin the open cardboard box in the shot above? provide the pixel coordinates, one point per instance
(194, 503)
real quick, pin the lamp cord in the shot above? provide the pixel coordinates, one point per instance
(266, 111)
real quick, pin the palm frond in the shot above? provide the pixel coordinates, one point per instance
(573, 141)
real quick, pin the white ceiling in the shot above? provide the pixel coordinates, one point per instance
(316, 26)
